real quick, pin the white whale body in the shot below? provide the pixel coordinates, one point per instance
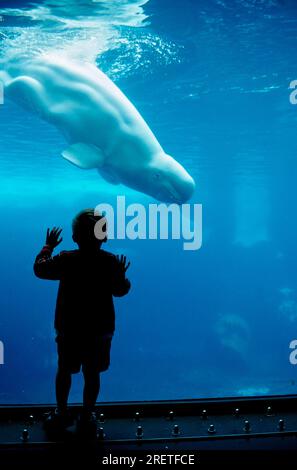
(104, 130)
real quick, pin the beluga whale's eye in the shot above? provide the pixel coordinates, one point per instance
(156, 176)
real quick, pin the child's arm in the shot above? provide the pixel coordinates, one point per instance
(121, 285)
(46, 266)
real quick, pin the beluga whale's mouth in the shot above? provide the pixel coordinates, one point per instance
(177, 186)
(173, 197)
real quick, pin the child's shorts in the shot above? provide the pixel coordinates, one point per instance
(91, 354)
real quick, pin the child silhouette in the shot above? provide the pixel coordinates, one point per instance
(85, 316)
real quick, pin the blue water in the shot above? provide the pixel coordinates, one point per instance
(211, 78)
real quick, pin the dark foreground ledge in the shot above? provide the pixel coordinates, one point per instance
(188, 432)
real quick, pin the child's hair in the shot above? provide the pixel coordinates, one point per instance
(84, 222)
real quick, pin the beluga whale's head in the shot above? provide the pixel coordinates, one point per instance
(168, 181)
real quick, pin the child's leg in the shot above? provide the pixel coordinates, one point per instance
(91, 389)
(63, 384)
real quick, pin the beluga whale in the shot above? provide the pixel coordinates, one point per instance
(103, 129)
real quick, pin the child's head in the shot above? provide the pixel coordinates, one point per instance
(83, 226)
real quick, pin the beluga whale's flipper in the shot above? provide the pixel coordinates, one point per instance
(85, 156)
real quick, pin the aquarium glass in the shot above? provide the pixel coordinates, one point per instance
(214, 80)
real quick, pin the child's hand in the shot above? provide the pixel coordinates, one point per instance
(52, 237)
(123, 263)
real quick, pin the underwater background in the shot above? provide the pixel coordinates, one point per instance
(211, 78)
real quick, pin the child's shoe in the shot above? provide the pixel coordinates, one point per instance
(87, 425)
(58, 421)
